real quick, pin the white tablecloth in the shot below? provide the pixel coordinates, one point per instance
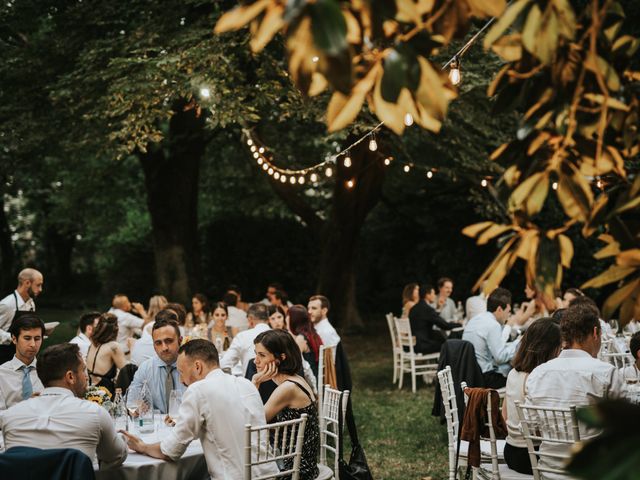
(191, 466)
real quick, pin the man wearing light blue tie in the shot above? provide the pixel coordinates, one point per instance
(18, 377)
(159, 372)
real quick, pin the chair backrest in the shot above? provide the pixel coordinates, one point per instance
(451, 415)
(405, 339)
(334, 405)
(51, 463)
(618, 360)
(326, 370)
(556, 428)
(274, 443)
(392, 330)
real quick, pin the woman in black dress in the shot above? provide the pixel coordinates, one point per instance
(278, 358)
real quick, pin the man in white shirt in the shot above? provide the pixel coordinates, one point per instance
(237, 318)
(476, 305)
(215, 408)
(444, 305)
(22, 299)
(88, 322)
(318, 308)
(160, 372)
(60, 417)
(576, 376)
(128, 324)
(241, 348)
(18, 377)
(484, 331)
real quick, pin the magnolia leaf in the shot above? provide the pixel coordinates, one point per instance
(505, 250)
(407, 12)
(498, 272)
(505, 22)
(473, 230)
(432, 93)
(318, 84)
(509, 47)
(270, 25)
(566, 250)
(629, 258)
(354, 32)
(574, 193)
(390, 113)
(610, 101)
(531, 28)
(528, 245)
(616, 298)
(498, 80)
(627, 308)
(486, 8)
(342, 109)
(599, 64)
(610, 250)
(492, 232)
(240, 16)
(531, 193)
(630, 205)
(293, 9)
(511, 175)
(301, 53)
(328, 26)
(612, 274)
(396, 72)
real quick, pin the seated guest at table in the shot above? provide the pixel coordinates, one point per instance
(60, 417)
(241, 348)
(443, 303)
(88, 323)
(156, 303)
(235, 290)
(410, 296)
(128, 324)
(281, 299)
(607, 333)
(237, 318)
(181, 312)
(543, 304)
(484, 331)
(277, 317)
(569, 294)
(540, 343)
(423, 318)
(198, 318)
(318, 308)
(18, 377)
(278, 359)
(576, 376)
(476, 304)
(218, 330)
(105, 356)
(160, 371)
(305, 335)
(215, 408)
(631, 373)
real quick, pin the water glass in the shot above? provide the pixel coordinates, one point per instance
(175, 400)
(133, 400)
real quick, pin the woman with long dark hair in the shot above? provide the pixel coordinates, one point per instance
(278, 358)
(105, 353)
(540, 343)
(410, 296)
(305, 335)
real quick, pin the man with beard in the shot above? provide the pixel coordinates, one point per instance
(22, 299)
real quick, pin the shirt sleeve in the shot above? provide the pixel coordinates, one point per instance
(501, 351)
(131, 321)
(140, 376)
(233, 354)
(111, 450)
(188, 427)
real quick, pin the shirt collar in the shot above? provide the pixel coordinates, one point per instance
(84, 337)
(215, 373)
(64, 392)
(19, 299)
(574, 353)
(262, 326)
(17, 363)
(157, 362)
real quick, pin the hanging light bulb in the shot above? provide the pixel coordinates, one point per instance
(292, 180)
(351, 183)
(454, 71)
(270, 171)
(301, 179)
(347, 161)
(408, 119)
(406, 168)
(260, 161)
(276, 175)
(328, 172)
(373, 145)
(265, 167)
(429, 174)
(313, 177)
(253, 148)
(256, 155)
(261, 149)
(599, 183)
(554, 185)
(387, 161)
(484, 182)
(249, 142)
(283, 178)
(205, 92)
(315, 59)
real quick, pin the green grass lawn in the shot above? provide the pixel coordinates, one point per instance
(401, 439)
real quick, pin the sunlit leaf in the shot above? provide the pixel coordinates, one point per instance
(629, 258)
(612, 274)
(473, 230)
(240, 16)
(505, 21)
(614, 300)
(271, 24)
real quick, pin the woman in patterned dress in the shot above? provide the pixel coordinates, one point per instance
(278, 358)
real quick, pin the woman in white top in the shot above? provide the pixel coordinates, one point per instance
(540, 343)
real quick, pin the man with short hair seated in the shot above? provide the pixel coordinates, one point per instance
(59, 417)
(18, 377)
(88, 322)
(160, 372)
(631, 373)
(423, 317)
(215, 408)
(484, 331)
(241, 348)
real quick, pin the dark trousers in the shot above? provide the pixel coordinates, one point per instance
(517, 459)
(494, 379)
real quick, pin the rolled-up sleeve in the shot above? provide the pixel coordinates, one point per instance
(111, 450)
(188, 427)
(501, 351)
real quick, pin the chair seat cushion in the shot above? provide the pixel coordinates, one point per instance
(325, 473)
(485, 448)
(505, 472)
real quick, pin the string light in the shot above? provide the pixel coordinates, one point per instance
(484, 182)
(408, 119)
(261, 149)
(373, 145)
(276, 175)
(387, 161)
(205, 92)
(265, 167)
(270, 172)
(256, 154)
(347, 161)
(261, 161)
(253, 148)
(599, 183)
(249, 142)
(351, 183)
(313, 178)
(315, 59)
(454, 71)
(328, 172)
(301, 179)
(283, 178)
(554, 185)
(406, 168)
(429, 174)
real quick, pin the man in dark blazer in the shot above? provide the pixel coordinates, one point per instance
(423, 318)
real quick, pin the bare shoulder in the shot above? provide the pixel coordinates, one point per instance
(114, 346)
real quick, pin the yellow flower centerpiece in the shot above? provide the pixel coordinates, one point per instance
(99, 395)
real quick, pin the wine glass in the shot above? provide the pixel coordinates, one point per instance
(175, 400)
(613, 324)
(134, 398)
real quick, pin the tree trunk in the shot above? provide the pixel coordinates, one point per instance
(7, 254)
(171, 171)
(351, 205)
